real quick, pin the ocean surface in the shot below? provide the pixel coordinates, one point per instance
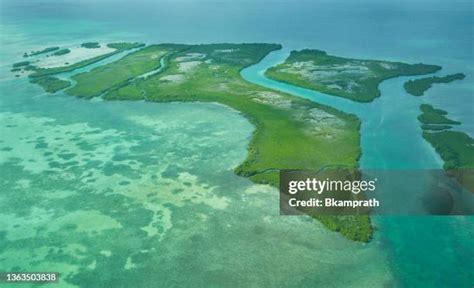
(129, 193)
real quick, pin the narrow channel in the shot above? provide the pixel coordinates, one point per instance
(391, 139)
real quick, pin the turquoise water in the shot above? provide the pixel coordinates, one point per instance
(77, 170)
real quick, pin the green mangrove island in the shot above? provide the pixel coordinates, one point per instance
(119, 47)
(61, 52)
(454, 147)
(90, 45)
(354, 79)
(39, 52)
(418, 87)
(431, 116)
(290, 132)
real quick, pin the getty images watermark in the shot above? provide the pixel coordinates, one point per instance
(316, 186)
(343, 191)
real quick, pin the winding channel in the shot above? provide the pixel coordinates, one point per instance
(390, 133)
(391, 140)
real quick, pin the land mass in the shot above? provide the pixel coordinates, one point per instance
(61, 52)
(90, 45)
(454, 147)
(418, 87)
(39, 52)
(291, 132)
(432, 116)
(51, 84)
(354, 79)
(120, 47)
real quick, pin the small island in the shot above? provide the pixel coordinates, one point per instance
(432, 116)
(90, 45)
(20, 64)
(61, 52)
(120, 47)
(418, 87)
(22, 67)
(454, 147)
(39, 52)
(354, 79)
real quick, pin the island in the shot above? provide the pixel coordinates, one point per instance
(431, 116)
(90, 45)
(20, 64)
(120, 47)
(354, 79)
(418, 87)
(290, 132)
(39, 52)
(455, 148)
(61, 52)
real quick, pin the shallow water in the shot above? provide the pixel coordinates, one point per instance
(77, 175)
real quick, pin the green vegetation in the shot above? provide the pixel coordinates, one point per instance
(125, 45)
(432, 115)
(61, 52)
(435, 127)
(29, 67)
(455, 148)
(51, 84)
(419, 86)
(21, 64)
(45, 50)
(457, 151)
(91, 45)
(354, 79)
(39, 72)
(103, 78)
(291, 132)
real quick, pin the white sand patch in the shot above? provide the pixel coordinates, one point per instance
(176, 78)
(129, 264)
(324, 124)
(223, 86)
(272, 99)
(190, 57)
(321, 116)
(389, 66)
(225, 50)
(186, 66)
(77, 54)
